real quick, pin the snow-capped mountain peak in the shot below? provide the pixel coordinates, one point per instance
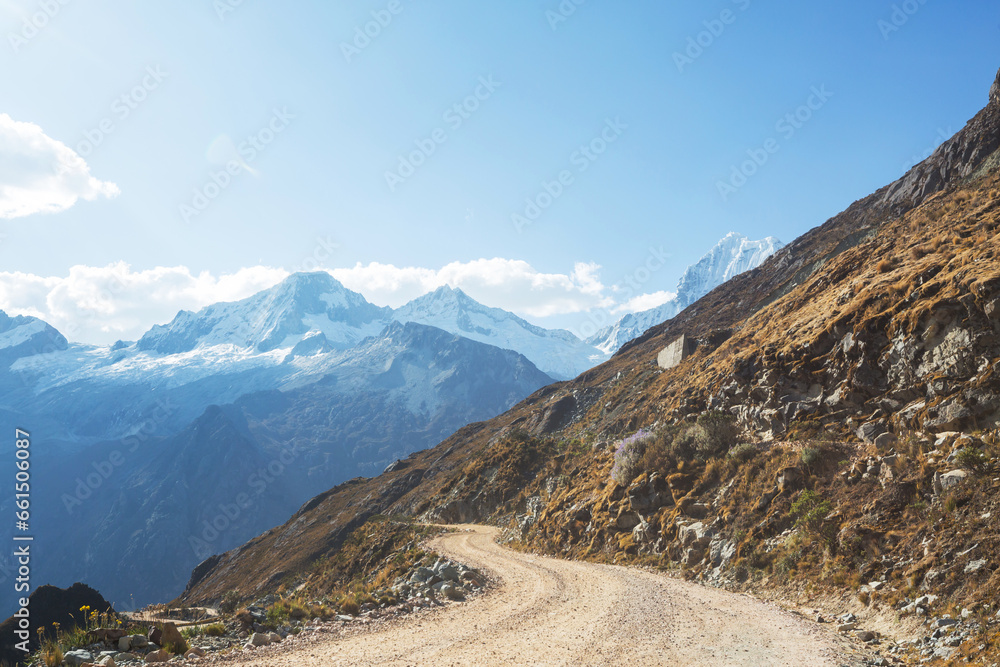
(555, 351)
(279, 317)
(732, 255)
(24, 336)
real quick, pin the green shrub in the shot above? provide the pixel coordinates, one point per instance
(811, 509)
(230, 601)
(810, 456)
(743, 453)
(177, 648)
(712, 435)
(215, 630)
(277, 614)
(972, 459)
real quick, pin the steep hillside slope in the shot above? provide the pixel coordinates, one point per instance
(881, 322)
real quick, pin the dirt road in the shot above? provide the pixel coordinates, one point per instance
(553, 612)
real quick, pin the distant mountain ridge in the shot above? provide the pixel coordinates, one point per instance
(731, 256)
(558, 352)
(137, 529)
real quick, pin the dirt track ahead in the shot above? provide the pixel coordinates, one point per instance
(553, 612)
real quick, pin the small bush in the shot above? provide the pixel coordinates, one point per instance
(885, 266)
(950, 504)
(973, 460)
(350, 606)
(215, 630)
(229, 602)
(686, 443)
(713, 434)
(177, 648)
(659, 455)
(52, 655)
(277, 614)
(628, 456)
(743, 453)
(811, 509)
(810, 456)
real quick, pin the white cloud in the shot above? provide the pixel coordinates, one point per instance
(510, 284)
(41, 175)
(102, 304)
(645, 302)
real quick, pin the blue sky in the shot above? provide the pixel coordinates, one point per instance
(182, 86)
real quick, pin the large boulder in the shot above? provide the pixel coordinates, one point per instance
(995, 91)
(259, 639)
(171, 636)
(696, 535)
(158, 656)
(77, 658)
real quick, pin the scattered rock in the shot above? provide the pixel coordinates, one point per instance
(846, 627)
(194, 652)
(155, 635)
(953, 478)
(975, 566)
(886, 441)
(259, 639)
(77, 658)
(158, 656)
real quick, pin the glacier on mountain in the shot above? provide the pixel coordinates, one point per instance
(731, 256)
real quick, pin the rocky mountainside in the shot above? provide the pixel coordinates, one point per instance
(858, 367)
(733, 255)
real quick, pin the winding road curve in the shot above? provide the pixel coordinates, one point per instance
(546, 611)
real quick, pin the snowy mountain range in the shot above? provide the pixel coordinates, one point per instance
(733, 255)
(192, 409)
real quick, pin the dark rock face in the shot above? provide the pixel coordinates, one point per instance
(955, 159)
(50, 605)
